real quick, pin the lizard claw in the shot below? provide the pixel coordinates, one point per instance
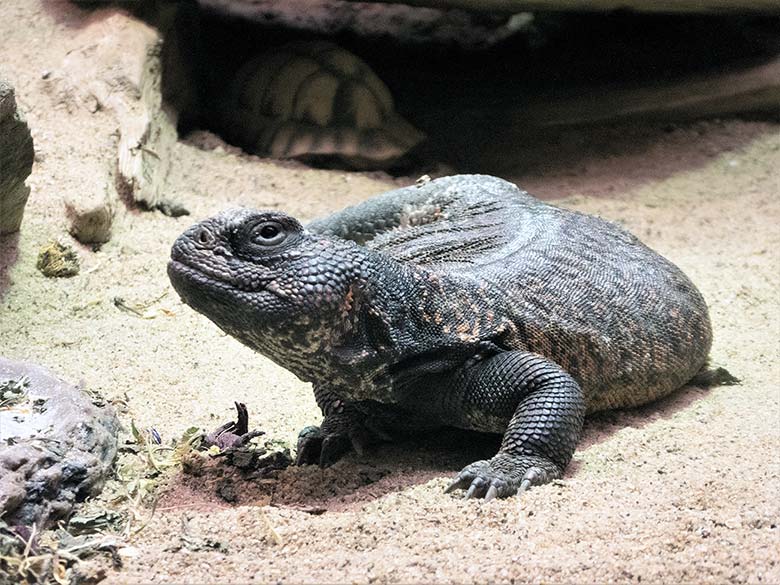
(333, 447)
(533, 476)
(491, 493)
(476, 488)
(457, 483)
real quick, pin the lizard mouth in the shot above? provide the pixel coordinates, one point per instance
(184, 275)
(178, 270)
(185, 278)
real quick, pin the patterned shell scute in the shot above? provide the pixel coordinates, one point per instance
(311, 100)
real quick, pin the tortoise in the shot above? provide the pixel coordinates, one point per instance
(316, 102)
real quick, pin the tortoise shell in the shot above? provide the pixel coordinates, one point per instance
(315, 101)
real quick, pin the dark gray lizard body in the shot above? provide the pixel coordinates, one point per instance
(463, 302)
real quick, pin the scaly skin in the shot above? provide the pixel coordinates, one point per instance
(462, 302)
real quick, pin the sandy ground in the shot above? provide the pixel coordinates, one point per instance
(685, 490)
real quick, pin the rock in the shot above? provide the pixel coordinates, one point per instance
(91, 217)
(16, 159)
(56, 447)
(115, 67)
(739, 90)
(410, 25)
(468, 23)
(515, 6)
(56, 260)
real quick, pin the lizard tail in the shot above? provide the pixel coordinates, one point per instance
(713, 377)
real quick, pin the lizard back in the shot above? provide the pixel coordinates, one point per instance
(623, 320)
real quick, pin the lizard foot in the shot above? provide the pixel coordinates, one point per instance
(318, 447)
(338, 434)
(504, 475)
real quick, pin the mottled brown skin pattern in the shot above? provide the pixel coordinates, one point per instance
(463, 302)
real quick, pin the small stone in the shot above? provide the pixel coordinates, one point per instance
(423, 180)
(172, 208)
(93, 104)
(227, 491)
(90, 218)
(58, 260)
(128, 552)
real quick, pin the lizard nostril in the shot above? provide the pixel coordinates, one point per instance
(205, 237)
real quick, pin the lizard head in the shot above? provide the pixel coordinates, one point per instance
(261, 277)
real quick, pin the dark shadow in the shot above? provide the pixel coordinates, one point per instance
(472, 102)
(396, 466)
(72, 14)
(392, 467)
(481, 108)
(609, 159)
(441, 454)
(76, 14)
(9, 254)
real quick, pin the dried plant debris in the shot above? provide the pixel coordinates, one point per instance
(234, 433)
(159, 457)
(148, 461)
(14, 391)
(142, 309)
(54, 556)
(233, 441)
(99, 520)
(57, 259)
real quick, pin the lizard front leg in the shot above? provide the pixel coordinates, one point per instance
(545, 408)
(344, 427)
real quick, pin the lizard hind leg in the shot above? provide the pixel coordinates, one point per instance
(546, 410)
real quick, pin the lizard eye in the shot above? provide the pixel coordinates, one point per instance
(268, 233)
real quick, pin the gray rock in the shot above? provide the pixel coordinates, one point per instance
(56, 445)
(462, 21)
(410, 25)
(16, 159)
